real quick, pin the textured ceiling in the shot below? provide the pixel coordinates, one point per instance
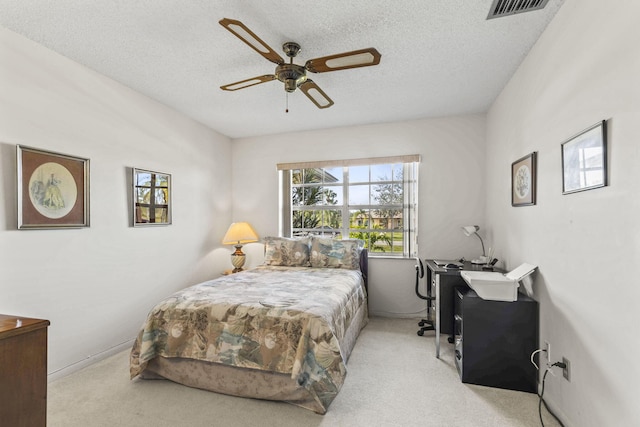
(439, 57)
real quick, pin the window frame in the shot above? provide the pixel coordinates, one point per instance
(409, 207)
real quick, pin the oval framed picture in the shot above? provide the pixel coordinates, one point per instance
(523, 181)
(53, 189)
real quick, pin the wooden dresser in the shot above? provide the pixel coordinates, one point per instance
(23, 371)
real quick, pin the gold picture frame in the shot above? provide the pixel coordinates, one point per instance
(53, 189)
(523, 180)
(151, 198)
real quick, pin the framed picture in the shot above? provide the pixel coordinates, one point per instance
(523, 181)
(151, 198)
(584, 160)
(53, 189)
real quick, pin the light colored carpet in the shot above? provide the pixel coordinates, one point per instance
(393, 379)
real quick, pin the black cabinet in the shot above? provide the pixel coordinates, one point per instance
(448, 280)
(494, 341)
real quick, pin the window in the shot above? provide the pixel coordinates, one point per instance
(370, 199)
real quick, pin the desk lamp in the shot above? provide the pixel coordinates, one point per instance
(473, 229)
(238, 234)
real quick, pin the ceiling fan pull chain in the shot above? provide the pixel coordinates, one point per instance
(286, 95)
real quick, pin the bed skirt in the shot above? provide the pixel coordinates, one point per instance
(245, 382)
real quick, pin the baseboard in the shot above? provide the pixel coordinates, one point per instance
(413, 315)
(89, 360)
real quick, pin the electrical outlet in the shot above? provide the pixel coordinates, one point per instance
(565, 370)
(547, 349)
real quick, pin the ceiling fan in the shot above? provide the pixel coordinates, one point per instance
(293, 75)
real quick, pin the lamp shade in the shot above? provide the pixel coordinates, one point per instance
(470, 229)
(239, 233)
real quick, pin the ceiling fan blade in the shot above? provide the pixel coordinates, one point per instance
(343, 61)
(246, 35)
(315, 94)
(249, 82)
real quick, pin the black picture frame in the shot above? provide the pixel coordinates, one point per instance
(523, 180)
(584, 160)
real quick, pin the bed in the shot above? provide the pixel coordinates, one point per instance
(281, 331)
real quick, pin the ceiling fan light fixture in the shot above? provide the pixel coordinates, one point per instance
(292, 75)
(290, 85)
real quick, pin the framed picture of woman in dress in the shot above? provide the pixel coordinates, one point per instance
(53, 189)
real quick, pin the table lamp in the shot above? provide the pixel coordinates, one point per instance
(238, 234)
(473, 229)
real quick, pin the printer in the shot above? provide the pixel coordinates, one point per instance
(494, 286)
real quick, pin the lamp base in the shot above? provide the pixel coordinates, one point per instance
(237, 259)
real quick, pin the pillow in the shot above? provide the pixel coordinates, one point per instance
(334, 253)
(288, 252)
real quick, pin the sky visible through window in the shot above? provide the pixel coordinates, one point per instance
(361, 194)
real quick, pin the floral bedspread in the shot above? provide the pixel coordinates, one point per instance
(280, 319)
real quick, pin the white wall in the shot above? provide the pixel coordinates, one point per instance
(96, 285)
(451, 189)
(585, 68)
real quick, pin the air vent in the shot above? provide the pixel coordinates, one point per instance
(511, 7)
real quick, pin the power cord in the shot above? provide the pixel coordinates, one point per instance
(541, 401)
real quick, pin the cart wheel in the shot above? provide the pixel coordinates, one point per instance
(421, 332)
